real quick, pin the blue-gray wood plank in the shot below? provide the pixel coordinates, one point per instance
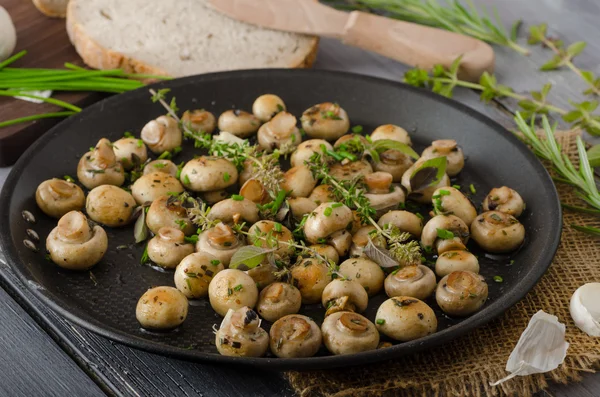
(129, 372)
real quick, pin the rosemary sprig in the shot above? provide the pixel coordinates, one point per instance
(453, 16)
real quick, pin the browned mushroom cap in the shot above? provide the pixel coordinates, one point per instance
(208, 173)
(56, 197)
(130, 152)
(417, 281)
(444, 233)
(280, 133)
(311, 276)
(322, 194)
(239, 123)
(451, 261)
(168, 247)
(220, 241)
(341, 241)
(100, 167)
(232, 289)
(392, 132)
(168, 211)
(199, 120)
(301, 206)
(361, 238)
(295, 336)
(299, 181)
(325, 121)
(344, 295)
(393, 162)
(195, 272)
(162, 308)
(258, 233)
(461, 293)
(240, 334)
(404, 318)
(405, 221)
(234, 211)
(495, 231)
(152, 186)
(306, 149)
(254, 191)
(325, 220)
(351, 170)
(504, 199)
(165, 166)
(381, 194)
(449, 200)
(110, 206)
(326, 251)
(277, 300)
(348, 333)
(74, 245)
(162, 134)
(366, 272)
(266, 106)
(448, 148)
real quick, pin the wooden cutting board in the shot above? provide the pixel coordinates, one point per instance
(48, 46)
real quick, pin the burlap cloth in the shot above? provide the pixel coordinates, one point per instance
(465, 366)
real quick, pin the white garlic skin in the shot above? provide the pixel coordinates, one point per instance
(585, 308)
(8, 35)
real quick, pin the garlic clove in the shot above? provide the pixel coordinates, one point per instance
(585, 308)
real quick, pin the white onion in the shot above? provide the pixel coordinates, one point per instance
(585, 308)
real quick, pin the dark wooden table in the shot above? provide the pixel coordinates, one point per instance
(45, 355)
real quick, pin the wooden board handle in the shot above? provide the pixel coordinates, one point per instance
(418, 45)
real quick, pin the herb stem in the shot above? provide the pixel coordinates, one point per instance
(53, 101)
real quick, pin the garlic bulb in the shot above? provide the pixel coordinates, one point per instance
(585, 308)
(8, 35)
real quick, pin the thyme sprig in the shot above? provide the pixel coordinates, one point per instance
(453, 16)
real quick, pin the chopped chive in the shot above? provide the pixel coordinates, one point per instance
(128, 134)
(327, 211)
(166, 155)
(226, 177)
(444, 192)
(237, 197)
(186, 180)
(191, 239)
(457, 187)
(445, 234)
(215, 262)
(238, 287)
(380, 321)
(140, 143)
(472, 188)
(336, 205)
(420, 216)
(278, 227)
(69, 179)
(145, 258)
(498, 279)
(357, 129)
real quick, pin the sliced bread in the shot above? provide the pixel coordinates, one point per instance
(52, 8)
(178, 38)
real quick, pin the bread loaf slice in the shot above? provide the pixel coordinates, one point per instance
(52, 8)
(178, 38)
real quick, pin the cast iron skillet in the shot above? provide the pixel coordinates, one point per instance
(104, 301)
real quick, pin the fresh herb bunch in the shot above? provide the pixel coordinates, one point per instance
(453, 16)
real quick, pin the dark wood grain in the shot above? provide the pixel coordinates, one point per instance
(130, 372)
(48, 46)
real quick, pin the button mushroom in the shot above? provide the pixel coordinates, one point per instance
(168, 247)
(416, 281)
(405, 221)
(451, 261)
(235, 210)
(56, 197)
(162, 134)
(74, 244)
(221, 242)
(449, 200)
(168, 211)
(326, 251)
(348, 333)
(405, 318)
(461, 293)
(153, 186)
(277, 300)
(422, 194)
(366, 272)
(263, 274)
(295, 336)
(444, 233)
(322, 194)
(344, 295)
(165, 166)
(254, 191)
(497, 232)
(298, 181)
(504, 199)
(162, 308)
(240, 334)
(353, 143)
(393, 162)
(351, 170)
(266, 106)
(325, 121)
(361, 238)
(130, 152)
(306, 149)
(311, 276)
(391, 132)
(300, 206)
(448, 148)
(280, 133)
(232, 289)
(326, 219)
(341, 241)
(269, 234)
(239, 123)
(110, 206)
(199, 120)
(381, 194)
(207, 173)
(195, 272)
(100, 167)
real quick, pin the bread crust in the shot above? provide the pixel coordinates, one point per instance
(49, 10)
(96, 56)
